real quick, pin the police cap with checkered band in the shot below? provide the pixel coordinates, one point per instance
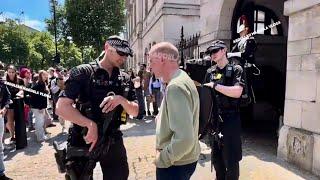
(120, 44)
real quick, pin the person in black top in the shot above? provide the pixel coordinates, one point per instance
(38, 104)
(89, 86)
(228, 81)
(12, 77)
(5, 100)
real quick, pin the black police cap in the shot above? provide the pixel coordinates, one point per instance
(120, 44)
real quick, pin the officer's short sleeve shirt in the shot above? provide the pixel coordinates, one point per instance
(238, 79)
(75, 84)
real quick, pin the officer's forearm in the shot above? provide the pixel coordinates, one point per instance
(69, 113)
(231, 91)
(131, 107)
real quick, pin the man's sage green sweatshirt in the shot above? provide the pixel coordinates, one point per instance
(178, 123)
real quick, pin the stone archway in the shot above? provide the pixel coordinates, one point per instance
(215, 17)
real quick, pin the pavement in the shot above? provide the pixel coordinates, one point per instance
(259, 162)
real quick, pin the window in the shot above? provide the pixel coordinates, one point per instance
(264, 22)
(259, 21)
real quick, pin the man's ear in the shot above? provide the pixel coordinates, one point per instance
(106, 47)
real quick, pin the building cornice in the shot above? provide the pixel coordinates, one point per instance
(172, 9)
(294, 6)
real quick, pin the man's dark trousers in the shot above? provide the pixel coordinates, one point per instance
(183, 172)
(140, 98)
(55, 98)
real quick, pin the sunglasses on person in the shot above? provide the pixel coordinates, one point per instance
(120, 53)
(213, 51)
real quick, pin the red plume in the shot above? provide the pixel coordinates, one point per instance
(244, 20)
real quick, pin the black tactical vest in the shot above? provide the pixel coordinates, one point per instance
(98, 86)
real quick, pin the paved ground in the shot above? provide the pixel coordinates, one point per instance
(37, 160)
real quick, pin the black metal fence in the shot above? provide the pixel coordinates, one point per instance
(188, 47)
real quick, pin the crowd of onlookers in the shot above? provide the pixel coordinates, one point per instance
(36, 114)
(148, 90)
(39, 110)
(32, 89)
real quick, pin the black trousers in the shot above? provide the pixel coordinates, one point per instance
(226, 158)
(55, 98)
(183, 172)
(114, 164)
(225, 171)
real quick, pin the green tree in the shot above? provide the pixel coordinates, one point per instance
(70, 54)
(42, 50)
(90, 22)
(14, 46)
(61, 21)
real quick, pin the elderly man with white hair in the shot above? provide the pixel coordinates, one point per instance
(177, 142)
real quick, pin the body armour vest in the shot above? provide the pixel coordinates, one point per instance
(99, 86)
(223, 77)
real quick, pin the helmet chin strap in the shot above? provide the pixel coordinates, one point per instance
(99, 57)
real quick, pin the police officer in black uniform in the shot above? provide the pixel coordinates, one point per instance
(89, 86)
(227, 80)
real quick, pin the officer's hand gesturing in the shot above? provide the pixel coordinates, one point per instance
(110, 102)
(92, 135)
(210, 84)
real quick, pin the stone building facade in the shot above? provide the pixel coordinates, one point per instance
(152, 21)
(299, 140)
(288, 56)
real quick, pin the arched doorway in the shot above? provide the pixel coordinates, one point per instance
(270, 57)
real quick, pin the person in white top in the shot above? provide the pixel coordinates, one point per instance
(155, 89)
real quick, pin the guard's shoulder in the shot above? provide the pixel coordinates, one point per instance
(212, 69)
(234, 60)
(237, 67)
(82, 71)
(251, 40)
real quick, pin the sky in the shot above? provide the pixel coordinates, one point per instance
(34, 12)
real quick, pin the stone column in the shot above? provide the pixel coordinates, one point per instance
(299, 140)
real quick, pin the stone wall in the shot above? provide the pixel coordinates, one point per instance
(299, 140)
(161, 22)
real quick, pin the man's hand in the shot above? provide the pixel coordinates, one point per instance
(157, 156)
(210, 84)
(92, 135)
(110, 102)
(3, 111)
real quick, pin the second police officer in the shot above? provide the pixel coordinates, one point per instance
(88, 86)
(227, 80)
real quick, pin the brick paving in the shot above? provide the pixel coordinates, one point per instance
(36, 161)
